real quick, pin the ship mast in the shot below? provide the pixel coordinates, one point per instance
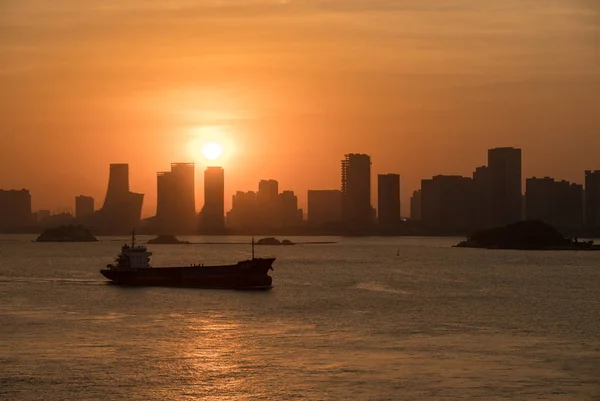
(253, 247)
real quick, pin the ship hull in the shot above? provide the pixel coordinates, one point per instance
(246, 275)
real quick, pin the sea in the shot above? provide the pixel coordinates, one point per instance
(361, 319)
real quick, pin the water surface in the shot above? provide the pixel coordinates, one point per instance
(350, 320)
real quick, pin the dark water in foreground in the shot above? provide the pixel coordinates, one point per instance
(344, 321)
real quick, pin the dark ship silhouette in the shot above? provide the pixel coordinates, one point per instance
(133, 268)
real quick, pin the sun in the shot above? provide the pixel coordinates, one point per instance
(212, 150)
(209, 144)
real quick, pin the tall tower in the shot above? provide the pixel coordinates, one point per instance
(15, 209)
(356, 189)
(176, 199)
(388, 199)
(482, 193)
(118, 185)
(506, 187)
(213, 212)
(269, 210)
(122, 208)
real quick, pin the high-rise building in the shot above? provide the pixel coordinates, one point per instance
(482, 198)
(290, 215)
(267, 199)
(84, 207)
(539, 199)
(356, 189)
(505, 183)
(415, 206)
(15, 209)
(122, 209)
(243, 213)
(324, 207)
(118, 185)
(558, 203)
(592, 198)
(388, 200)
(212, 218)
(447, 202)
(268, 190)
(568, 205)
(176, 199)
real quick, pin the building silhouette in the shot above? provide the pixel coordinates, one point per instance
(122, 209)
(212, 216)
(289, 213)
(558, 203)
(15, 209)
(504, 166)
(415, 205)
(243, 213)
(324, 207)
(568, 205)
(388, 199)
(84, 207)
(592, 198)
(447, 202)
(268, 204)
(540, 199)
(356, 189)
(176, 200)
(482, 198)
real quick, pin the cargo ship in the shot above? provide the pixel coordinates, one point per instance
(132, 268)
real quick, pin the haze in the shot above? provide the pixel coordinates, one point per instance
(424, 87)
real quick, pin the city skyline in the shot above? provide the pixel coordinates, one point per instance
(421, 87)
(150, 209)
(493, 196)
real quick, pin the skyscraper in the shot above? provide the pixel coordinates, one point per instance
(118, 186)
(176, 199)
(482, 198)
(592, 198)
(447, 202)
(122, 209)
(568, 204)
(356, 190)
(15, 209)
(324, 207)
(243, 213)
(415, 205)
(290, 215)
(269, 212)
(84, 207)
(539, 199)
(388, 200)
(212, 217)
(505, 183)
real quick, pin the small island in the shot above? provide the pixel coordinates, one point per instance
(70, 233)
(167, 240)
(525, 235)
(273, 241)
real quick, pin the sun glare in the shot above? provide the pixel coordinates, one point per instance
(212, 150)
(209, 144)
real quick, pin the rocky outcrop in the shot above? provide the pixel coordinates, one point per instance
(273, 241)
(529, 234)
(167, 239)
(70, 233)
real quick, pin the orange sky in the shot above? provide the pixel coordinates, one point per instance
(425, 87)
